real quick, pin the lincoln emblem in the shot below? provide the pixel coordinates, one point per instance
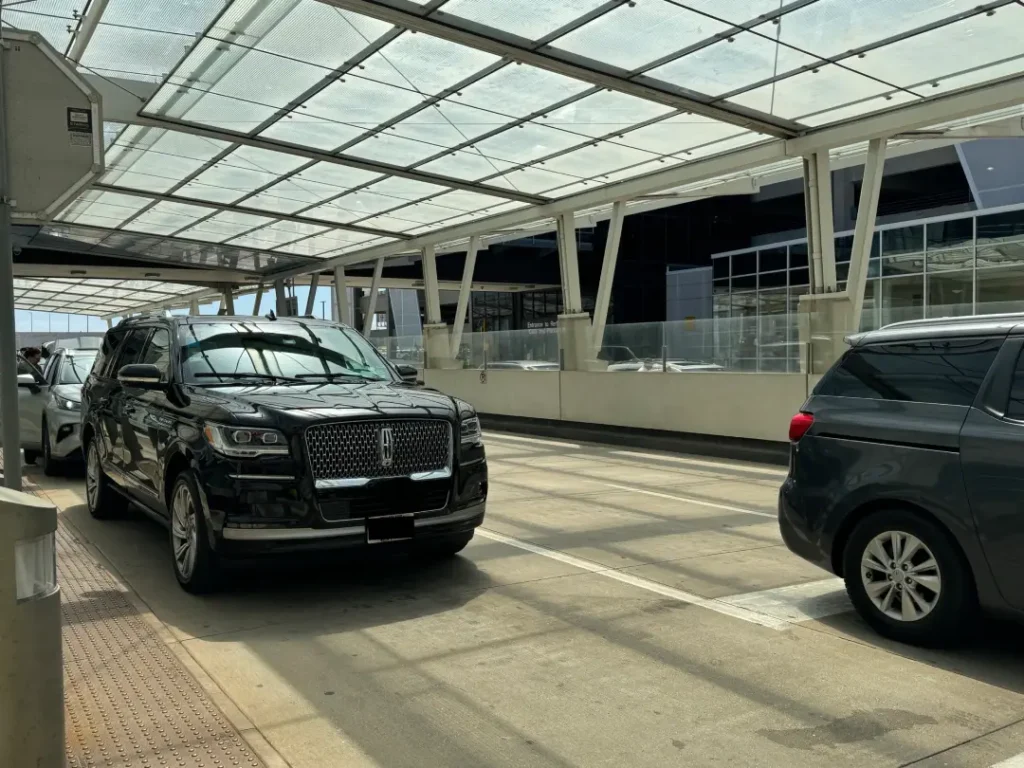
(387, 446)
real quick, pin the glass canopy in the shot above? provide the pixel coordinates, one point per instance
(293, 131)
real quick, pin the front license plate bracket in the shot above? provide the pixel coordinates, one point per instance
(380, 530)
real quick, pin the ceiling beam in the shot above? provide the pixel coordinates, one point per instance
(499, 43)
(286, 148)
(86, 28)
(88, 272)
(251, 211)
(926, 112)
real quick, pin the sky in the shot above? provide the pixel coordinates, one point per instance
(31, 321)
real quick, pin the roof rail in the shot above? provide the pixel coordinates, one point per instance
(956, 320)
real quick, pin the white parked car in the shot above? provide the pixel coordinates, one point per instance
(50, 403)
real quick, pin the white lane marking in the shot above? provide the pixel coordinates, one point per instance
(537, 440)
(718, 606)
(1017, 761)
(704, 463)
(798, 602)
(698, 502)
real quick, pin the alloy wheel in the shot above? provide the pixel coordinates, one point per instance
(184, 534)
(92, 476)
(901, 576)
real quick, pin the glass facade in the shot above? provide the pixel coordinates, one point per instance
(965, 264)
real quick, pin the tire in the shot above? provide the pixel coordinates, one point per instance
(51, 466)
(194, 561)
(104, 502)
(930, 598)
(30, 456)
(443, 546)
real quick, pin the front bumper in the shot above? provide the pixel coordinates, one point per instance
(65, 429)
(252, 542)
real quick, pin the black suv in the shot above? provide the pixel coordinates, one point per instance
(252, 435)
(906, 475)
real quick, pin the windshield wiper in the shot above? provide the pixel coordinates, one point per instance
(263, 376)
(333, 376)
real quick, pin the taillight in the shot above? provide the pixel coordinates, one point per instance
(799, 425)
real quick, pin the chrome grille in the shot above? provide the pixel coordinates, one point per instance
(354, 449)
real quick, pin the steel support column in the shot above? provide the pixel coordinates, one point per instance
(568, 264)
(464, 292)
(371, 303)
(864, 232)
(820, 231)
(229, 300)
(432, 294)
(314, 283)
(282, 298)
(341, 296)
(604, 287)
(10, 418)
(257, 299)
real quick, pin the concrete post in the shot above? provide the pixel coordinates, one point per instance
(604, 287)
(229, 300)
(820, 231)
(31, 665)
(864, 231)
(314, 283)
(464, 292)
(282, 298)
(257, 299)
(193, 307)
(568, 264)
(341, 297)
(371, 300)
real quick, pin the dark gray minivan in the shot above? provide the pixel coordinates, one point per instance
(906, 475)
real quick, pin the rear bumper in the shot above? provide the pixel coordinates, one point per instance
(254, 542)
(798, 534)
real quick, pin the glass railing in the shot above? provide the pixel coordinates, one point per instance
(535, 349)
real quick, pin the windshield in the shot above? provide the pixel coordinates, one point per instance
(283, 350)
(75, 368)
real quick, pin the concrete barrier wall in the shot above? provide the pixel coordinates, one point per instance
(746, 405)
(530, 394)
(750, 405)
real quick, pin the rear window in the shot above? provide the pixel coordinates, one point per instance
(946, 371)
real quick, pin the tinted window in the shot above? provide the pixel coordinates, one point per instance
(131, 350)
(947, 371)
(158, 350)
(1015, 410)
(213, 352)
(107, 350)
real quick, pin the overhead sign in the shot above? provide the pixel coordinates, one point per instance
(54, 128)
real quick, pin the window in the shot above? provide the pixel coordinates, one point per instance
(158, 350)
(75, 369)
(107, 349)
(131, 350)
(1015, 408)
(218, 352)
(52, 363)
(947, 371)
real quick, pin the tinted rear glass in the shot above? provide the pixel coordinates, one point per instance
(946, 371)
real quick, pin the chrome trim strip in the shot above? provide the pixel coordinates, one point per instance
(301, 534)
(262, 477)
(438, 474)
(340, 482)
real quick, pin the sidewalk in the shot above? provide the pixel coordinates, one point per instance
(129, 701)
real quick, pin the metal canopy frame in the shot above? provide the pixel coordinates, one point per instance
(125, 102)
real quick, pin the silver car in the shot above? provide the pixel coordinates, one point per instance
(51, 405)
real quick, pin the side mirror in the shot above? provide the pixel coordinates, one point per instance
(408, 373)
(141, 375)
(28, 381)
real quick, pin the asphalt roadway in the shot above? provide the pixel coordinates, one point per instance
(619, 608)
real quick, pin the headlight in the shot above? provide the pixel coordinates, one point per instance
(471, 430)
(245, 441)
(68, 405)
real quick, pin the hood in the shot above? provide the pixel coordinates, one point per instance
(323, 401)
(68, 391)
